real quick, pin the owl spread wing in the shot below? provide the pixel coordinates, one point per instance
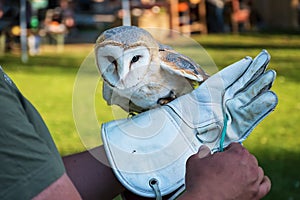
(181, 65)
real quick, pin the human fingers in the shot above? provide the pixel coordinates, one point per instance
(233, 145)
(236, 148)
(264, 187)
(261, 175)
(245, 156)
(203, 152)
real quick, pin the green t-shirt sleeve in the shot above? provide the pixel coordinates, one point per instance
(29, 159)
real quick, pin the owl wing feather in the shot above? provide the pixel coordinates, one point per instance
(181, 65)
(112, 98)
(164, 47)
(107, 93)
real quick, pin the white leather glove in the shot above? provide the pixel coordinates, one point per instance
(148, 151)
(228, 103)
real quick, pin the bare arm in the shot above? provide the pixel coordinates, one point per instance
(62, 188)
(91, 175)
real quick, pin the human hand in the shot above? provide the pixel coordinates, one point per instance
(233, 174)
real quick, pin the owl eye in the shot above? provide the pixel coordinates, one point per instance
(135, 59)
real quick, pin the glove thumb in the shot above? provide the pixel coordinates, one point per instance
(204, 151)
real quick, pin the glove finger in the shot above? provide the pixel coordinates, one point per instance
(244, 119)
(215, 85)
(228, 75)
(256, 68)
(262, 84)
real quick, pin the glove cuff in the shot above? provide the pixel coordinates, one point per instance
(149, 146)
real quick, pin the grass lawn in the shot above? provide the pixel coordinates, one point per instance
(47, 81)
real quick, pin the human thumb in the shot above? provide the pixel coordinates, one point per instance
(203, 151)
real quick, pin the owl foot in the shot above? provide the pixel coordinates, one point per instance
(131, 114)
(171, 97)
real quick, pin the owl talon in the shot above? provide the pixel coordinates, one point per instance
(163, 101)
(131, 114)
(171, 97)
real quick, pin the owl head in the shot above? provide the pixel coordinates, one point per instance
(123, 55)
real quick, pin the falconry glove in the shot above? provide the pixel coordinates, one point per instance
(148, 152)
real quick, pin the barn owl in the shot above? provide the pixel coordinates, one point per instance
(139, 73)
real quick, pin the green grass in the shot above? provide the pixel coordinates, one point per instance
(47, 81)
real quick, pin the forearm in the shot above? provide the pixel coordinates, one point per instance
(189, 196)
(91, 174)
(62, 188)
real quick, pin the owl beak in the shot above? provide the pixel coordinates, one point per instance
(123, 69)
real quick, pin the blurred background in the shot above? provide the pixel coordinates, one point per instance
(78, 21)
(43, 43)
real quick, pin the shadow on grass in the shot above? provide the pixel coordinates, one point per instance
(282, 168)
